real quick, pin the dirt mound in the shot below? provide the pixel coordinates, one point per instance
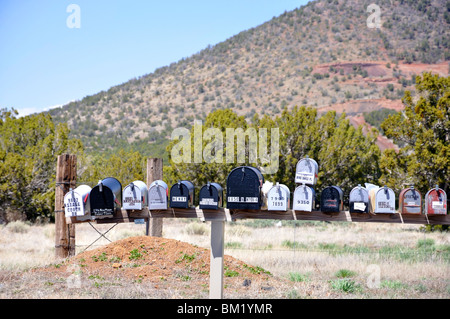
(164, 263)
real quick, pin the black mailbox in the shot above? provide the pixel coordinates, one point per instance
(182, 195)
(359, 200)
(244, 188)
(332, 199)
(106, 197)
(211, 196)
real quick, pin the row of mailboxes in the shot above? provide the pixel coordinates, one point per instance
(244, 191)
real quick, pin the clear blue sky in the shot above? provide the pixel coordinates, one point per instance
(44, 63)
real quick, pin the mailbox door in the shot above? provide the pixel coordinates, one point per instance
(436, 202)
(244, 186)
(157, 197)
(278, 198)
(410, 201)
(331, 200)
(385, 201)
(359, 200)
(132, 197)
(73, 204)
(102, 201)
(306, 171)
(304, 198)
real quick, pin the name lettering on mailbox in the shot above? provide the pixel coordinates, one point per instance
(131, 201)
(179, 198)
(237, 199)
(384, 205)
(72, 205)
(102, 211)
(208, 201)
(304, 177)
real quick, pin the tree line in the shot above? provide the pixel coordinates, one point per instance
(346, 157)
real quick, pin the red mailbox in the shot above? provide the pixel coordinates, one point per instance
(436, 202)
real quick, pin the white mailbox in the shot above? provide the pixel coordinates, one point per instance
(304, 198)
(76, 201)
(135, 196)
(279, 198)
(306, 171)
(382, 200)
(158, 193)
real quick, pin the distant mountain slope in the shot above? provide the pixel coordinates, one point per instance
(322, 55)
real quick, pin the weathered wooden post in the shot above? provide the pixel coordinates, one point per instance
(154, 172)
(66, 175)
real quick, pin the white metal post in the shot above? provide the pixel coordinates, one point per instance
(216, 262)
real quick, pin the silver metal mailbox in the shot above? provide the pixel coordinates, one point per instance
(279, 198)
(410, 201)
(306, 171)
(76, 201)
(382, 200)
(359, 200)
(304, 198)
(135, 196)
(158, 192)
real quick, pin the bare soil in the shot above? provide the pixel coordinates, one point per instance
(170, 267)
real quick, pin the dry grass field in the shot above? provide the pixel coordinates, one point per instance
(267, 259)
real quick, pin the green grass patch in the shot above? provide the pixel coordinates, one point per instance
(256, 270)
(135, 254)
(344, 285)
(231, 273)
(298, 277)
(185, 257)
(293, 244)
(345, 273)
(393, 284)
(233, 245)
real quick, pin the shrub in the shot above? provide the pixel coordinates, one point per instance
(18, 227)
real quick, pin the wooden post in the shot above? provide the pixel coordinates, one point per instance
(66, 174)
(154, 172)
(216, 260)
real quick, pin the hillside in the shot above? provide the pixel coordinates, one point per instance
(321, 55)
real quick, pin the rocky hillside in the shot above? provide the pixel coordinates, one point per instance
(322, 55)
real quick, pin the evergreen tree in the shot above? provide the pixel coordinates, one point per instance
(424, 128)
(29, 147)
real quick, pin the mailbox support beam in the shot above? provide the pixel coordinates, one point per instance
(66, 174)
(216, 260)
(154, 172)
